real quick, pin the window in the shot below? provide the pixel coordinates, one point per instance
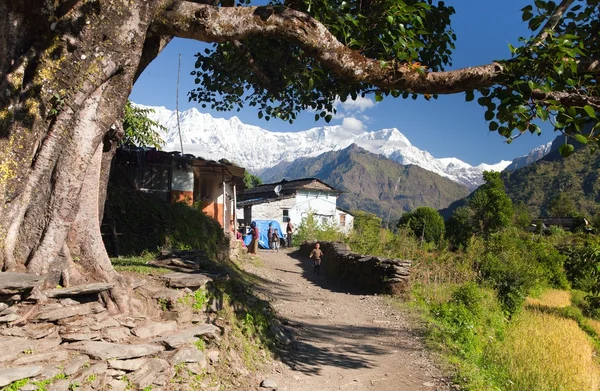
(286, 215)
(324, 220)
(342, 219)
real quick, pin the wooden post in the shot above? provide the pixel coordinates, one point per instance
(234, 206)
(224, 201)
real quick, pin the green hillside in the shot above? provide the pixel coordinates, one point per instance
(374, 183)
(577, 176)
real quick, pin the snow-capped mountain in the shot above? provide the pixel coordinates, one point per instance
(257, 149)
(532, 157)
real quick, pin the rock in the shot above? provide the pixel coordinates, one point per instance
(152, 329)
(77, 290)
(188, 355)
(49, 373)
(9, 318)
(268, 383)
(67, 312)
(75, 337)
(213, 356)
(14, 332)
(46, 344)
(3, 306)
(9, 375)
(114, 373)
(29, 387)
(108, 350)
(38, 331)
(57, 356)
(60, 385)
(117, 334)
(149, 373)
(127, 365)
(75, 364)
(11, 283)
(186, 280)
(117, 385)
(68, 302)
(9, 310)
(12, 347)
(105, 324)
(186, 336)
(169, 295)
(280, 335)
(126, 321)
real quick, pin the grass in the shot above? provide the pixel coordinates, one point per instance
(594, 324)
(138, 265)
(544, 352)
(551, 298)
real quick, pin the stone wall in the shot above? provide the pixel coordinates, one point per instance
(370, 273)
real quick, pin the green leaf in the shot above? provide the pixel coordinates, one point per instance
(566, 150)
(378, 97)
(527, 15)
(489, 115)
(581, 138)
(493, 126)
(328, 118)
(260, 114)
(590, 111)
(469, 96)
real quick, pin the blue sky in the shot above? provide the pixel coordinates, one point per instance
(447, 127)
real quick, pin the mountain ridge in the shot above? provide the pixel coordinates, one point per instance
(258, 149)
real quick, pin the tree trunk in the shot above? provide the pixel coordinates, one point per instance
(68, 72)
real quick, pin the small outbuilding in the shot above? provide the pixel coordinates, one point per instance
(211, 186)
(293, 200)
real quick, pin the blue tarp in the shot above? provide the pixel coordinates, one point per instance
(263, 228)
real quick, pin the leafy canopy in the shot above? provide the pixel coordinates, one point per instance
(290, 80)
(425, 223)
(140, 130)
(491, 207)
(551, 76)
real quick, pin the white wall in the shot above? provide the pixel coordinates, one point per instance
(274, 211)
(183, 178)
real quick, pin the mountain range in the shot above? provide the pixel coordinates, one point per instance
(376, 184)
(259, 150)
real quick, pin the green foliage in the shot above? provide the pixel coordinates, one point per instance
(514, 265)
(547, 63)
(459, 227)
(425, 223)
(251, 180)
(148, 224)
(140, 130)
(196, 300)
(583, 270)
(16, 386)
(402, 32)
(366, 233)
(492, 209)
(562, 206)
(521, 216)
(311, 230)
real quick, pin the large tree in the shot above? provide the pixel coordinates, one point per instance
(67, 67)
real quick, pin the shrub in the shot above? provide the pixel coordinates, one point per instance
(425, 223)
(365, 237)
(310, 230)
(459, 228)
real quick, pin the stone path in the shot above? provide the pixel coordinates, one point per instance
(343, 341)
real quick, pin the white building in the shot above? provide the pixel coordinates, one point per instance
(293, 200)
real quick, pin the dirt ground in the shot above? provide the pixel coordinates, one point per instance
(344, 340)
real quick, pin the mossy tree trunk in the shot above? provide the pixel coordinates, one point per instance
(67, 72)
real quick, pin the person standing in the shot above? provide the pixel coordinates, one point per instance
(316, 256)
(270, 236)
(275, 240)
(253, 248)
(289, 229)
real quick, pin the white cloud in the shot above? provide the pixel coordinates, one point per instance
(353, 125)
(360, 104)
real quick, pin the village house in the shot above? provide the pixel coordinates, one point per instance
(186, 178)
(293, 200)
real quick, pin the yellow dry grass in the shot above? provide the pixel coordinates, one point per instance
(543, 352)
(551, 298)
(595, 324)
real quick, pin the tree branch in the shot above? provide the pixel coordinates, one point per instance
(211, 24)
(567, 98)
(553, 21)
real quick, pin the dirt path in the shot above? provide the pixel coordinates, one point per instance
(344, 341)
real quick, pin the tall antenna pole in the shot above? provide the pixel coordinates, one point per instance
(177, 104)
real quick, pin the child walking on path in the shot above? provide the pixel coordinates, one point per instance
(316, 256)
(275, 240)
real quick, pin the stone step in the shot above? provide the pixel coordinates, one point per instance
(71, 311)
(12, 283)
(109, 350)
(186, 336)
(78, 290)
(186, 280)
(9, 375)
